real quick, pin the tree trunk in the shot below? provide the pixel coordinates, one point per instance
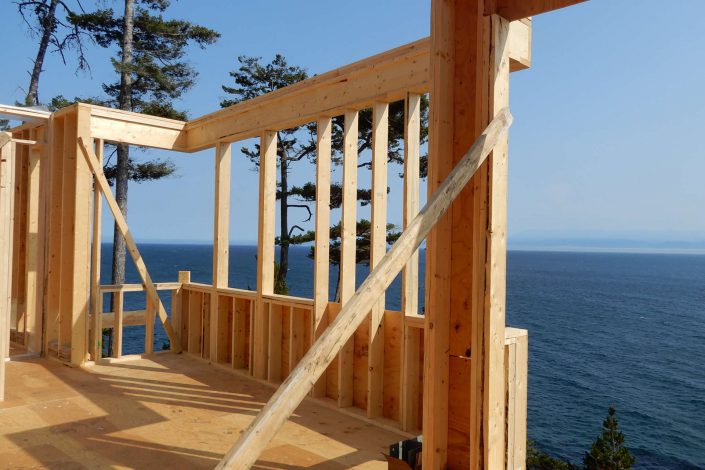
(48, 26)
(123, 151)
(283, 223)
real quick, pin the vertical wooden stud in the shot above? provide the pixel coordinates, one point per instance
(149, 314)
(265, 249)
(274, 349)
(221, 243)
(6, 233)
(34, 246)
(378, 248)
(409, 383)
(348, 240)
(96, 295)
(55, 209)
(118, 302)
(321, 269)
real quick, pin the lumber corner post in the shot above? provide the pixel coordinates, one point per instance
(80, 212)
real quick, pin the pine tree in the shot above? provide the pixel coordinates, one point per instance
(253, 79)
(152, 73)
(608, 451)
(44, 21)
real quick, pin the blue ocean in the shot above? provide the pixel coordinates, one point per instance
(604, 329)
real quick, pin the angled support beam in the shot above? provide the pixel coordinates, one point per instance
(120, 221)
(287, 398)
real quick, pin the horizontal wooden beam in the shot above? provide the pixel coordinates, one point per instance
(129, 318)
(23, 114)
(117, 126)
(384, 77)
(518, 9)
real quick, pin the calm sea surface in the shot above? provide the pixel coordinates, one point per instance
(621, 329)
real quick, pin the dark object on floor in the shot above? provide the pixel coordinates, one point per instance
(405, 455)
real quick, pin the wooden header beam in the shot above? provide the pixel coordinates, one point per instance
(384, 77)
(24, 114)
(517, 9)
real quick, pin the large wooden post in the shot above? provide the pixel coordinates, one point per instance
(464, 367)
(76, 242)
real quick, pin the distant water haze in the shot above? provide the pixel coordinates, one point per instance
(604, 329)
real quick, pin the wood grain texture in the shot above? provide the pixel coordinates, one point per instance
(290, 394)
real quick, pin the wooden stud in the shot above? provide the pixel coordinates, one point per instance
(150, 312)
(265, 249)
(496, 257)
(195, 322)
(221, 242)
(295, 388)
(54, 252)
(410, 373)
(378, 248)
(297, 326)
(35, 239)
(118, 302)
(7, 160)
(130, 242)
(19, 276)
(348, 240)
(321, 267)
(96, 295)
(241, 314)
(516, 362)
(179, 314)
(274, 349)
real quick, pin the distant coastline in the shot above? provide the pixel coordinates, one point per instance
(542, 245)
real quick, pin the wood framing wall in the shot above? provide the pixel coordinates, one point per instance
(455, 373)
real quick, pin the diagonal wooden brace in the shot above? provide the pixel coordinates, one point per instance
(287, 398)
(150, 289)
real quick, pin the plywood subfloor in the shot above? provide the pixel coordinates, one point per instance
(171, 412)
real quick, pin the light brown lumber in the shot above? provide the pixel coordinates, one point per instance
(274, 343)
(265, 250)
(517, 9)
(179, 314)
(221, 240)
(55, 216)
(18, 314)
(75, 243)
(6, 232)
(388, 76)
(287, 398)
(130, 242)
(516, 361)
(34, 248)
(496, 260)
(240, 316)
(118, 322)
(409, 384)
(96, 295)
(348, 241)
(378, 248)
(321, 266)
(23, 113)
(149, 312)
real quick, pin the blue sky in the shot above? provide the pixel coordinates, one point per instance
(608, 121)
